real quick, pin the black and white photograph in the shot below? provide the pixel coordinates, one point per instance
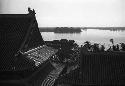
(62, 42)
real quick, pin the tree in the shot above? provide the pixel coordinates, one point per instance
(87, 45)
(123, 46)
(102, 48)
(112, 41)
(96, 47)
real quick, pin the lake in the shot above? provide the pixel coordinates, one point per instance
(92, 35)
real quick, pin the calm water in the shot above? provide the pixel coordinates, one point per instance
(92, 35)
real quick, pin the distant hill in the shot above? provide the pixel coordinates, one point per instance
(44, 29)
(60, 29)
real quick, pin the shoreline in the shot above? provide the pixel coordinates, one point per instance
(52, 29)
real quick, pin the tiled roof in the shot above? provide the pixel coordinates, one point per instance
(13, 32)
(33, 38)
(97, 69)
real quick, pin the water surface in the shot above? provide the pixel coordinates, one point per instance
(92, 35)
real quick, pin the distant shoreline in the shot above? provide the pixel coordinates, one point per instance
(52, 29)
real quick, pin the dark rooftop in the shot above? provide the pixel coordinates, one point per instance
(15, 32)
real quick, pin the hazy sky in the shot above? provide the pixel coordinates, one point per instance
(70, 12)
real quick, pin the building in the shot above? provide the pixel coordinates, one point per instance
(105, 68)
(24, 57)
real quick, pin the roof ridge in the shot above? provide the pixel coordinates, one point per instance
(15, 15)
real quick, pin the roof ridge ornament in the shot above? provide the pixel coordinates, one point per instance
(31, 12)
